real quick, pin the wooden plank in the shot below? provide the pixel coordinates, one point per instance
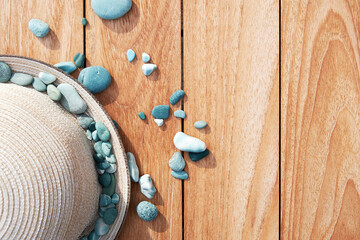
(231, 78)
(320, 118)
(64, 40)
(152, 27)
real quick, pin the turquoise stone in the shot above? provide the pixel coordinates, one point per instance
(197, 156)
(161, 112)
(106, 148)
(92, 126)
(98, 158)
(71, 100)
(104, 200)
(103, 165)
(96, 78)
(133, 168)
(200, 124)
(111, 158)
(21, 79)
(116, 124)
(179, 114)
(147, 211)
(105, 179)
(187, 143)
(67, 67)
(111, 9)
(95, 136)
(5, 72)
(142, 115)
(53, 93)
(102, 131)
(112, 168)
(101, 228)
(145, 57)
(110, 190)
(148, 68)
(176, 96)
(84, 120)
(89, 134)
(79, 60)
(130, 55)
(147, 186)
(98, 148)
(93, 236)
(180, 175)
(177, 162)
(39, 28)
(39, 85)
(84, 21)
(47, 78)
(110, 215)
(115, 198)
(103, 209)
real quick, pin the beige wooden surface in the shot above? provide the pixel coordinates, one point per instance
(230, 74)
(320, 171)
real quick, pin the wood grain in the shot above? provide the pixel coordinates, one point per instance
(153, 27)
(231, 78)
(320, 117)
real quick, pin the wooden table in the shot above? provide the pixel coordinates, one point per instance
(225, 55)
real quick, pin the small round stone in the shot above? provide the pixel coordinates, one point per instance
(102, 131)
(130, 55)
(39, 85)
(115, 198)
(21, 79)
(177, 162)
(47, 78)
(53, 93)
(95, 136)
(5, 72)
(200, 124)
(161, 112)
(98, 149)
(106, 148)
(176, 96)
(67, 67)
(145, 57)
(84, 120)
(104, 200)
(148, 68)
(101, 228)
(39, 28)
(98, 158)
(105, 179)
(147, 211)
(103, 165)
(111, 158)
(180, 175)
(112, 168)
(84, 21)
(110, 215)
(198, 156)
(96, 78)
(111, 9)
(110, 190)
(142, 115)
(179, 114)
(89, 134)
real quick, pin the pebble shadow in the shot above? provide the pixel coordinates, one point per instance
(110, 94)
(51, 41)
(207, 162)
(126, 23)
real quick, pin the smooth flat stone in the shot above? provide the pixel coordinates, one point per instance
(102, 131)
(142, 115)
(180, 175)
(93, 236)
(105, 179)
(104, 200)
(21, 79)
(39, 28)
(101, 228)
(179, 114)
(112, 168)
(147, 211)
(176, 96)
(95, 136)
(147, 186)
(145, 57)
(67, 67)
(187, 143)
(110, 215)
(200, 124)
(84, 21)
(148, 68)
(103, 165)
(130, 55)
(53, 93)
(115, 199)
(39, 85)
(47, 78)
(161, 112)
(98, 157)
(106, 148)
(133, 168)
(96, 78)
(110, 190)
(197, 156)
(111, 159)
(98, 148)
(159, 122)
(111, 9)
(177, 162)
(5, 72)
(79, 60)
(84, 120)
(71, 100)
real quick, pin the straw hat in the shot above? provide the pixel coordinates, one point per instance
(48, 181)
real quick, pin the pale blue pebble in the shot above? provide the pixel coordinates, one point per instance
(145, 57)
(84, 21)
(89, 134)
(95, 136)
(147, 186)
(67, 67)
(47, 78)
(111, 158)
(176, 96)
(142, 115)
(112, 168)
(21, 79)
(39, 28)
(102, 131)
(84, 120)
(177, 162)
(111, 9)
(93, 236)
(110, 215)
(200, 124)
(95, 78)
(187, 143)
(98, 148)
(133, 168)
(101, 228)
(148, 68)
(159, 122)
(115, 198)
(5, 72)
(39, 85)
(130, 55)
(106, 148)
(180, 175)
(53, 93)
(71, 100)
(103, 165)
(147, 211)
(104, 200)
(179, 114)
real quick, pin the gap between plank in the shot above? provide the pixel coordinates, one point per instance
(182, 120)
(84, 31)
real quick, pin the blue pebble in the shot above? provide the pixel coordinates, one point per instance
(92, 127)
(179, 114)
(147, 211)
(115, 198)
(67, 67)
(105, 179)
(145, 57)
(148, 68)
(161, 112)
(105, 200)
(98, 148)
(79, 60)
(177, 162)
(110, 190)
(197, 156)
(5, 72)
(96, 78)
(176, 96)
(111, 159)
(84, 238)
(21, 79)
(71, 100)
(130, 55)
(110, 215)
(93, 236)
(84, 21)
(187, 143)
(95, 136)
(106, 148)
(111, 9)
(98, 158)
(89, 134)
(84, 120)
(180, 175)
(102, 131)
(200, 124)
(101, 228)
(39, 28)
(142, 115)
(103, 165)
(39, 85)
(47, 78)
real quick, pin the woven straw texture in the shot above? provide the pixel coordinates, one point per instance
(48, 181)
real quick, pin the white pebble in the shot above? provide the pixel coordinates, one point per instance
(146, 186)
